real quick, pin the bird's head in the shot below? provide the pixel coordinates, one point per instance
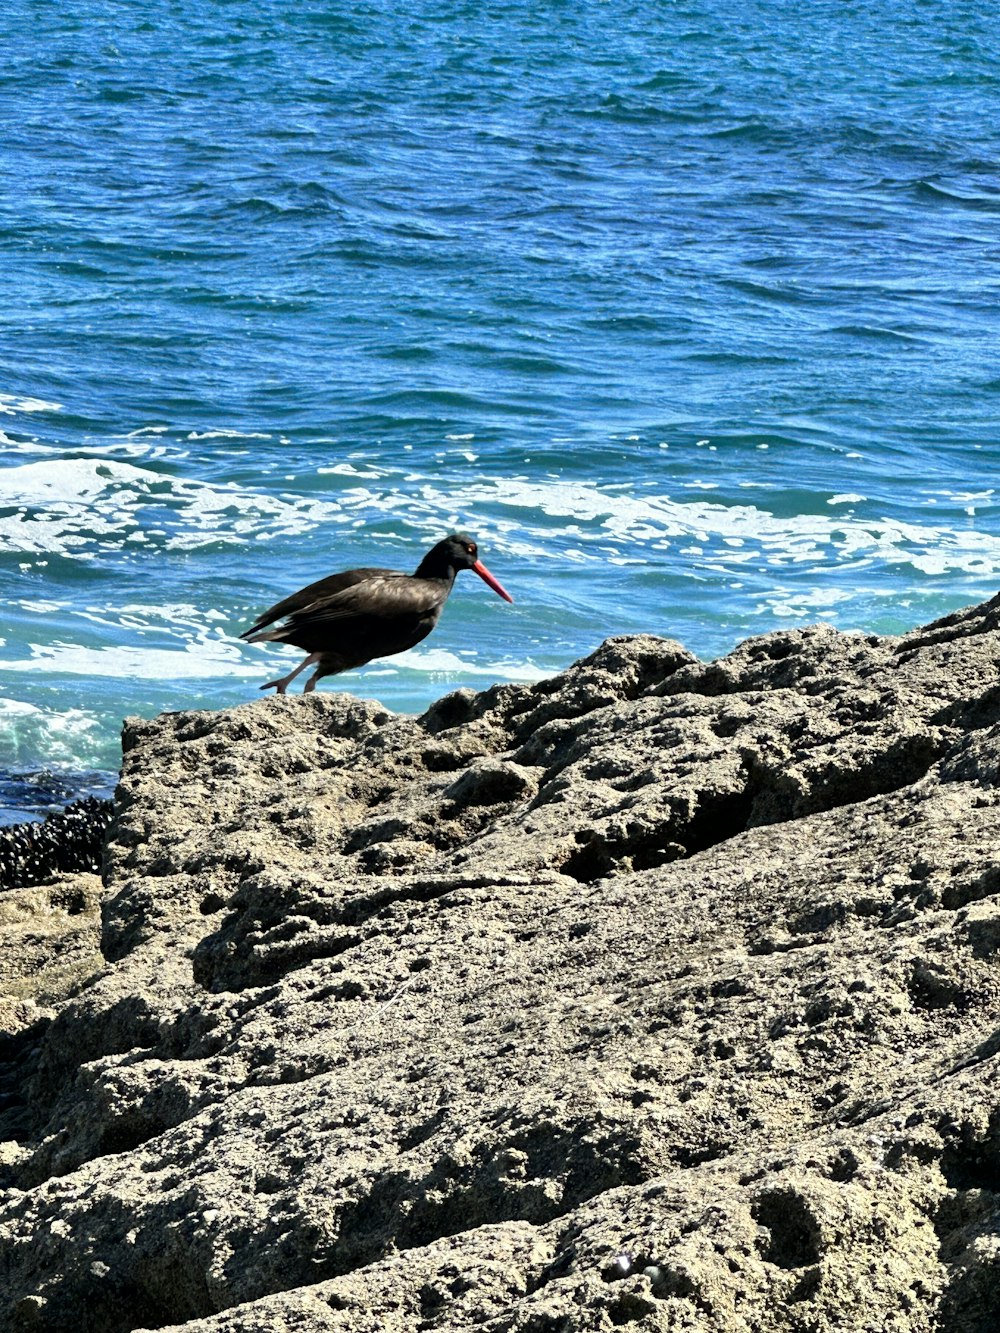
(461, 552)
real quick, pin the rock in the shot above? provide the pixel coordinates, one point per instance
(51, 949)
(659, 994)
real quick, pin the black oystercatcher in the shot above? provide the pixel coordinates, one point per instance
(348, 619)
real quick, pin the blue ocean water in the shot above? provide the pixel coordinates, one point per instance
(687, 311)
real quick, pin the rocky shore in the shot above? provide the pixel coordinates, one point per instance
(660, 995)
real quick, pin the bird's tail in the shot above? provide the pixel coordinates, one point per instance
(263, 635)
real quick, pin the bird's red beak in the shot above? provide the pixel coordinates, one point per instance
(480, 569)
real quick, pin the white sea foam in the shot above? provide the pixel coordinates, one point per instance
(803, 605)
(72, 738)
(74, 506)
(201, 659)
(80, 506)
(347, 470)
(774, 539)
(229, 435)
(70, 481)
(12, 405)
(12, 446)
(440, 661)
(204, 658)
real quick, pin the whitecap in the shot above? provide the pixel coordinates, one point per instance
(73, 505)
(442, 661)
(778, 539)
(12, 404)
(201, 659)
(802, 605)
(229, 435)
(347, 470)
(83, 505)
(72, 738)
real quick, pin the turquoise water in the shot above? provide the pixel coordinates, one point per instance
(687, 312)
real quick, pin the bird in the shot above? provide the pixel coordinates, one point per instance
(348, 619)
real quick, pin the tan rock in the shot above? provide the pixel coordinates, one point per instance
(661, 994)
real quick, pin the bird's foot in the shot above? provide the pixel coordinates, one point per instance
(280, 685)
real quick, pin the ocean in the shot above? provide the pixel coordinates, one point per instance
(686, 311)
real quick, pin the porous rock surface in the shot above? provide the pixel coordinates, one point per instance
(659, 995)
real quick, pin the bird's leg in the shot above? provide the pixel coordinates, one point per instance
(311, 682)
(282, 685)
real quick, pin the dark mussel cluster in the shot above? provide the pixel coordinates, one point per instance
(62, 843)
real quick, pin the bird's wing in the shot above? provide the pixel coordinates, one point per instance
(319, 591)
(385, 597)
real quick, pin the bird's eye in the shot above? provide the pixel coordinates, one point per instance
(470, 547)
